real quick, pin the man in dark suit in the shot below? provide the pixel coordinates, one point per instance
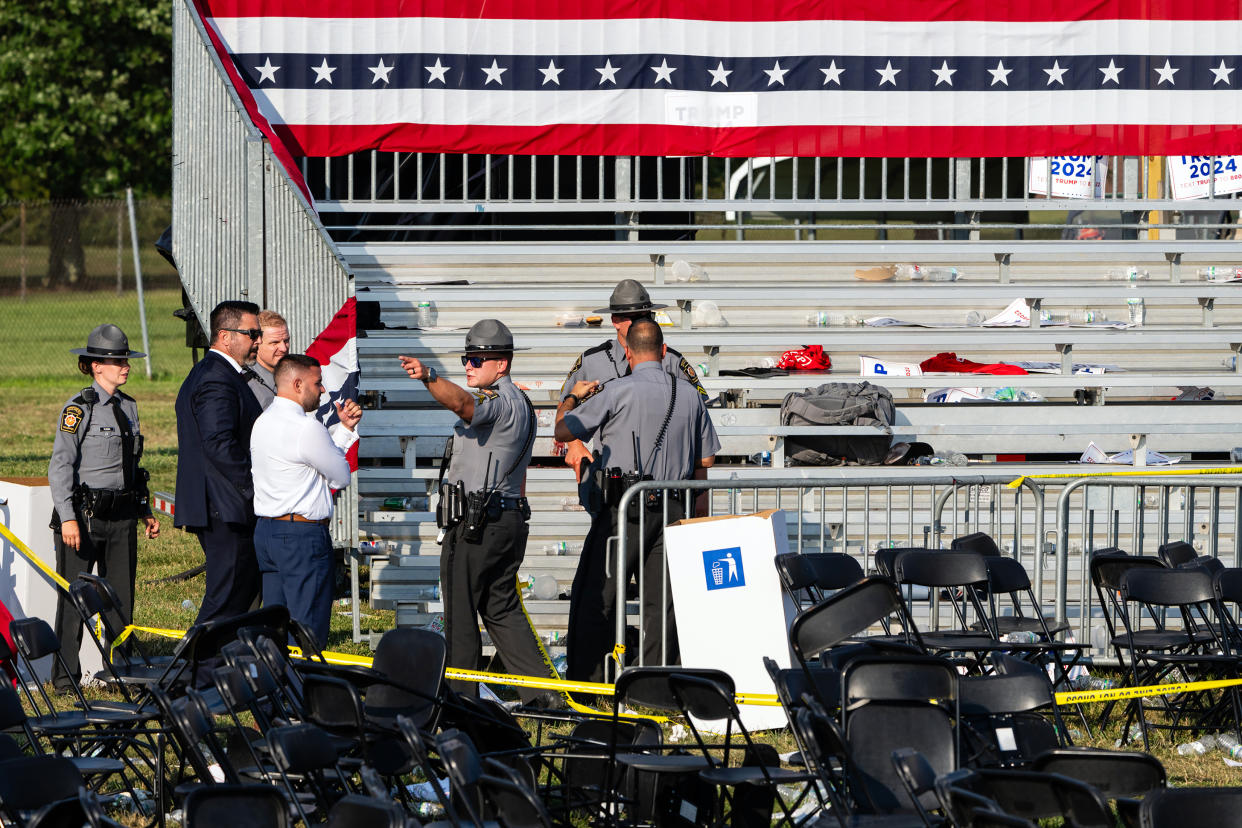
(215, 413)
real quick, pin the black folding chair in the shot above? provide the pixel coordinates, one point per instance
(236, 806)
(361, 811)
(1176, 553)
(41, 792)
(306, 761)
(707, 695)
(961, 575)
(638, 773)
(1037, 796)
(889, 703)
(1119, 775)
(846, 616)
(810, 577)
(978, 542)
(828, 758)
(1181, 605)
(1003, 716)
(1183, 807)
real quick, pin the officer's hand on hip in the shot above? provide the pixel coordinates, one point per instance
(584, 388)
(152, 527)
(350, 413)
(413, 367)
(577, 453)
(70, 534)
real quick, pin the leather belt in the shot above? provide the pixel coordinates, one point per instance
(507, 503)
(300, 519)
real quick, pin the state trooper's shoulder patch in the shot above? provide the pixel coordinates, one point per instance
(485, 394)
(577, 366)
(688, 370)
(70, 419)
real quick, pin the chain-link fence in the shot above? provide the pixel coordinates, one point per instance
(66, 267)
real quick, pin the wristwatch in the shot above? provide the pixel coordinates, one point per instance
(431, 375)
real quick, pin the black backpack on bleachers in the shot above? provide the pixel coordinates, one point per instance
(838, 403)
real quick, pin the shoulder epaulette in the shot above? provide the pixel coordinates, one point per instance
(603, 346)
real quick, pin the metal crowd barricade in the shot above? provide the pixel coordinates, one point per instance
(857, 512)
(1137, 515)
(861, 510)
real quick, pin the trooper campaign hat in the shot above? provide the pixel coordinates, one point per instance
(489, 335)
(107, 342)
(629, 297)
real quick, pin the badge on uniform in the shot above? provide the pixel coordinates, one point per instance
(70, 419)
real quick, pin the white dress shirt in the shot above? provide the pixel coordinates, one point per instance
(236, 365)
(296, 462)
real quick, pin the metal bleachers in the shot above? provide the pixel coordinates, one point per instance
(764, 292)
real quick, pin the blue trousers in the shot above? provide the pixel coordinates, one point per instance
(296, 564)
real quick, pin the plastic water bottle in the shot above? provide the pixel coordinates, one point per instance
(975, 318)
(1020, 637)
(943, 458)
(1219, 274)
(923, 273)
(1137, 309)
(1227, 742)
(817, 319)
(545, 588)
(424, 314)
(1128, 274)
(562, 548)
(1085, 316)
(1093, 683)
(188, 605)
(684, 271)
(431, 592)
(762, 458)
(1198, 747)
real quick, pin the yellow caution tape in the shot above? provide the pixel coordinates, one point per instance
(532, 682)
(25, 551)
(1013, 484)
(1119, 693)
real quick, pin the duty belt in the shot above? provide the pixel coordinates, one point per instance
(507, 503)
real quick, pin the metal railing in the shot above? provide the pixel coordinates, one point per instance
(918, 509)
(839, 515)
(1138, 514)
(800, 190)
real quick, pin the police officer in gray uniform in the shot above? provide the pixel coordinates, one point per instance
(606, 361)
(99, 490)
(482, 512)
(651, 425)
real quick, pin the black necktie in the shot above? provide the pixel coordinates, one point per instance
(127, 444)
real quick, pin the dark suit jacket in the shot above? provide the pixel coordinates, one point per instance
(215, 413)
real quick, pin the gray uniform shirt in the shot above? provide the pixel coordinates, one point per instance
(500, 428)
(637, 405)
(261, 382)
(607, 361)
(88, 447)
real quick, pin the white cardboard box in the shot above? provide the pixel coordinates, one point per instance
(27, 592)
(731, 611)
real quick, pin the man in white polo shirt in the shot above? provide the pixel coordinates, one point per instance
(296, 464)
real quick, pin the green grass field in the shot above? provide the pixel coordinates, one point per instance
(38, 375)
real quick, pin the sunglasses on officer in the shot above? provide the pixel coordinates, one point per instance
(475, 361)
(253, 333)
